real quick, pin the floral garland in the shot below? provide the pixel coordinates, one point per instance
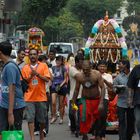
(34, 46)
(91, 56)
(110, 54)
(116, 41)
(35, 31)
(95, 39)
(118, 31)
(105, 24)
(102, 42)
(97, 55)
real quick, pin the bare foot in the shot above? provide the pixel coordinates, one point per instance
(92, 138)
(98, 138)
(103, 138)
(85, 137)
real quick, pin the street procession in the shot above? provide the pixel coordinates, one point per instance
(69, 70)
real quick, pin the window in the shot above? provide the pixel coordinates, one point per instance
(118, 14)
(61, 48)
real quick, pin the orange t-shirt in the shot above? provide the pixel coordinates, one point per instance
(37, 89)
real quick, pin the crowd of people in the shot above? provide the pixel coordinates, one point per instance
(54, 81)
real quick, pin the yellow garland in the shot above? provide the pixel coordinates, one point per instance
(35, 46)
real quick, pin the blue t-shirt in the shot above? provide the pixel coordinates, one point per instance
(58, 74)
(11, 75)
(122, 79)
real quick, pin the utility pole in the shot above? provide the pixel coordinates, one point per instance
(2, 5)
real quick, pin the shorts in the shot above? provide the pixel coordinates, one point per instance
(63, 91)
(18, 117)
(36, 110)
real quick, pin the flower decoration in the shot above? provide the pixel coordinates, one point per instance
(35, 46)
(35, 31)
(35, 38)
(120, 39)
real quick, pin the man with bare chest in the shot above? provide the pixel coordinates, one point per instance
(92, 97)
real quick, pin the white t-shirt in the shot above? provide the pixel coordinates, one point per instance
(49, 83)
(108, 78)
(52, 62)
(72, 72)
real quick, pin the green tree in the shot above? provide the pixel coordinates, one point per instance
(51, 29)
(89, 11)
(35, 11)
(133, 7)
(69, 26)
(129, 20)
(63, 27)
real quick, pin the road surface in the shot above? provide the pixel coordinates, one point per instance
(62, 132)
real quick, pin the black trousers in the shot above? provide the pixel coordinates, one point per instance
(18, 117)
(74, 118)
(126, 123)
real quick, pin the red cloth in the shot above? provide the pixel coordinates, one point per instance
(92, 114)
(112, 110)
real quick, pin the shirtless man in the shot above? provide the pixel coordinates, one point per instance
(92, 97)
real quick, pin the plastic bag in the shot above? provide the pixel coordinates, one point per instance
(13, 135)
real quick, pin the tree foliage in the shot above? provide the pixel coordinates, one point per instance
(76, 19)
(63, 27)
(131, 24)
(35, 11)
(133, 6)
(89, 11)
(133, 9)
(129, 20)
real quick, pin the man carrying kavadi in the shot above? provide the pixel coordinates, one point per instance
(92, 97)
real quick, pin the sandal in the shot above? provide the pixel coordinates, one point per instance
(61, 121)
(53, 120)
